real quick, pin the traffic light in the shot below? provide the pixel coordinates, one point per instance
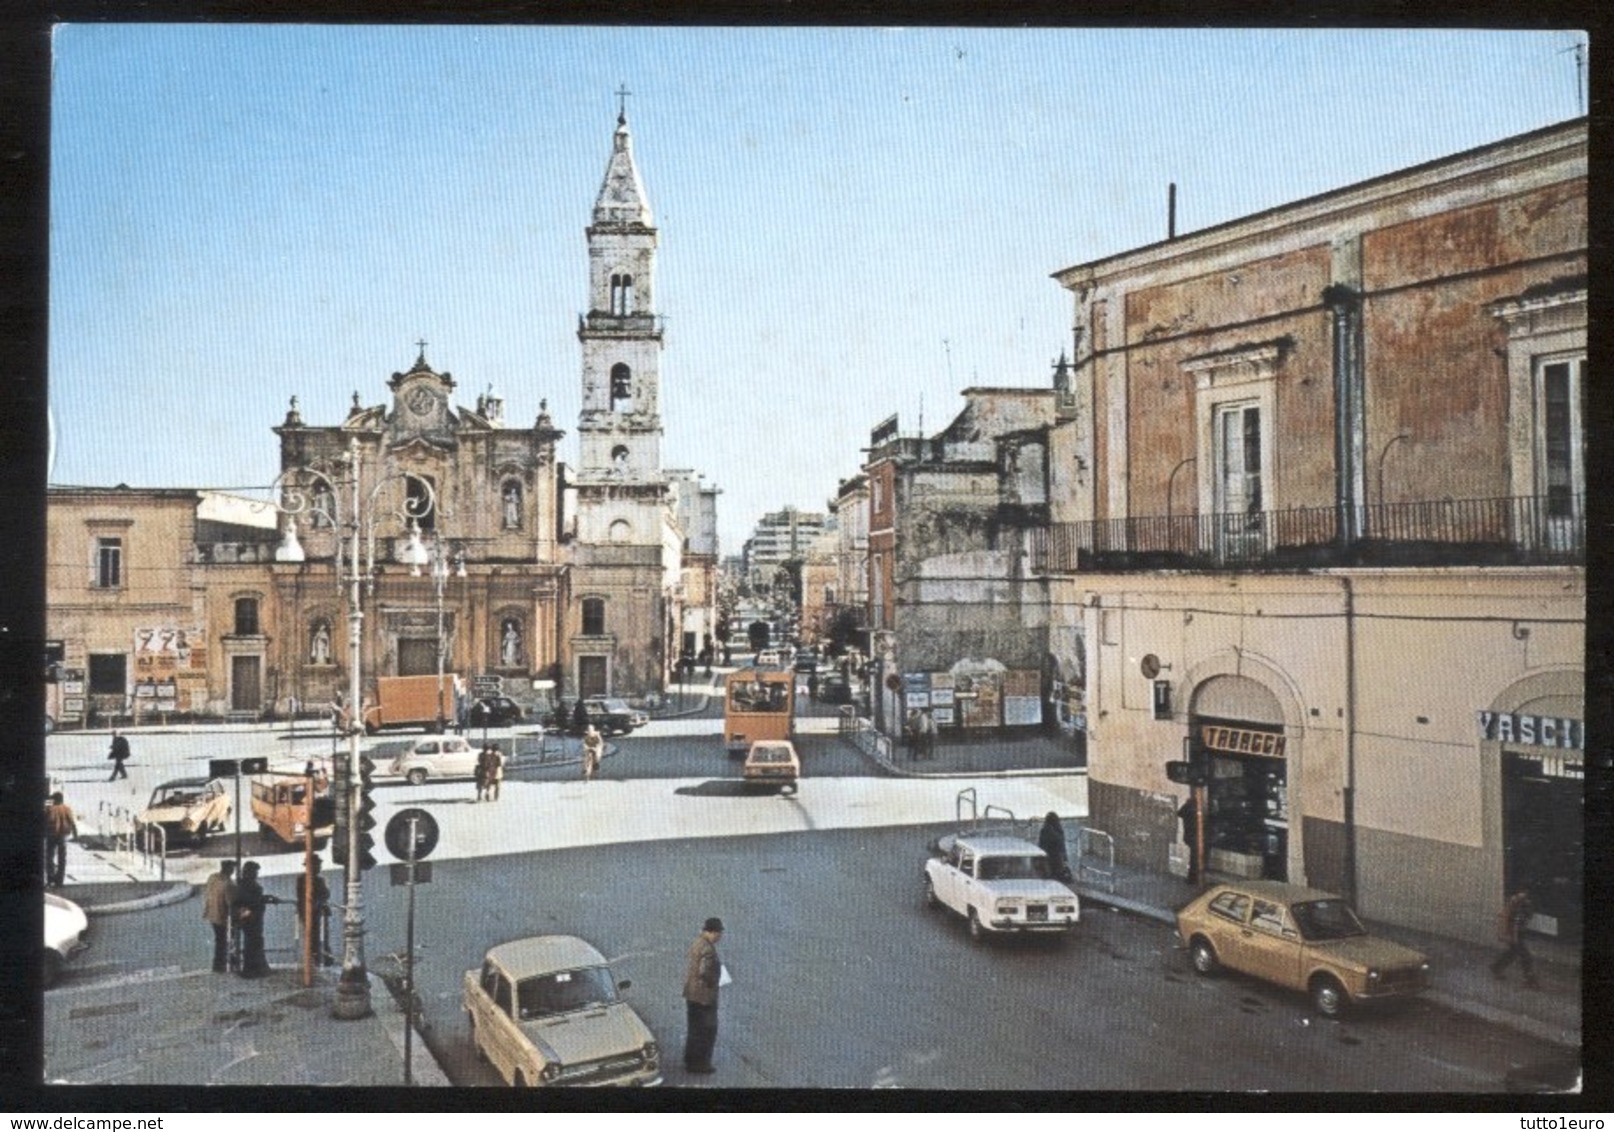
(341, 796)
(364, 815)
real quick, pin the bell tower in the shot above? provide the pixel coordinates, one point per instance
(620, 428)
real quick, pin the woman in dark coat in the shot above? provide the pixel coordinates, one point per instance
(249, 907)
(1052, 842)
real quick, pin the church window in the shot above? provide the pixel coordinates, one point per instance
(619, 457)
(593, 616)
(421, 504)
(246, 616)
(621, 384)
(621, 295)
(620, 531)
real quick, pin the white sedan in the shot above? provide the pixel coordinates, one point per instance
(436, 757)
(546, 1010)
(67, 932)
(1000, 885)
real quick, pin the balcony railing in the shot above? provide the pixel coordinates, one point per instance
(1519, 531)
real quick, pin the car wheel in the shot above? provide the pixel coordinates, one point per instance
(1328, 996)
(931, 900)
(417, 777)
(520, 1080)
(977, 932)
(1203, 956)
(53, 967)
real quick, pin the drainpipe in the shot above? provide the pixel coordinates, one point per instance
(1345, 303)
(1349, 792)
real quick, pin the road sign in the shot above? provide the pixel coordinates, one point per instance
(400, 873)
(397, 834)
(487, 685)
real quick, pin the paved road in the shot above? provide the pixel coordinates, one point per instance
(844, 980)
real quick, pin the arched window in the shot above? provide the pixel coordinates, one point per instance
(621, 295)
(621, 383)
(620, 531)
(246, 617)
(511, 495)
(593, 616)
(619, 457)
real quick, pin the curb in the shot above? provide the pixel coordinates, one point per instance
(171, 895)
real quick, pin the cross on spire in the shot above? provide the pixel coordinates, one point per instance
(421, 342)
(622, 93)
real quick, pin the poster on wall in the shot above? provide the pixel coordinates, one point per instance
(979, 700)
(1022, 699)
(915, 690)
(941, 694)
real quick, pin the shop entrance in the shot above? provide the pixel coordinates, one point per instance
(1247, 797)
(1543, 835)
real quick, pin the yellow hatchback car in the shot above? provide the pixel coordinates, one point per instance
(1299, 938)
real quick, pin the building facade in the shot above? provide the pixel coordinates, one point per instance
(1322, 536)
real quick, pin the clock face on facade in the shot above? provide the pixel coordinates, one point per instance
(421, 402)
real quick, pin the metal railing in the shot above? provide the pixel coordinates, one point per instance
(1091, 845)
(1505, 531)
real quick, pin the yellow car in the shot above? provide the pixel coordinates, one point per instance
(1298, 938)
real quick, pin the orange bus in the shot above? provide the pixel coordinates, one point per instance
(759, 704)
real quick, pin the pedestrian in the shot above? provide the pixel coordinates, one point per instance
(593, 749)
(910, 732)
(118, 754)
(1510, 925)
(1052, 842)
(701, 982)
(250, 903)
(59, 827)
(1189, 813)
(313, 906)
(812, 686)
(580, 717)
(218, 900)
(489, 772)
(927, 735)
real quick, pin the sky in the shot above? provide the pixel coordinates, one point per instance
(854, 222)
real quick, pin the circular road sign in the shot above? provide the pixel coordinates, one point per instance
(397, 834)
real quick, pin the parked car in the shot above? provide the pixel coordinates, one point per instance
(999, 884)
(547, 1011)
(1298, 938)
(769, 658)
(67, 932)
(806, 662)
(496, 711)
(445, 757)
(613, 717)
(773, 762)
(835, 690)
(187, 810)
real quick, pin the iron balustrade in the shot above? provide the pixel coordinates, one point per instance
(1504, 531)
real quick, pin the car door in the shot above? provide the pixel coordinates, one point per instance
(1227, 924)
(458, 759)
(501, 1031)
(1273, 944)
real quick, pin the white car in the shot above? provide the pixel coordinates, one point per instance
(67, 932)
(774, 763)
(547, 1011)
(436, 757)
(1000, 885)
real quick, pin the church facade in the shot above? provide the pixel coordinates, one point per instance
(480, 552)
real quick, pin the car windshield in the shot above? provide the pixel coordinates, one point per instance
(1013, 868)
(561, 992)
(1326, 919)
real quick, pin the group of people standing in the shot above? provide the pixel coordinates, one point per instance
(489, 773)
(234, 907)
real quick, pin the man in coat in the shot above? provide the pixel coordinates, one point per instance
(59, 826)
(250, 902)
(700, 997)
(1510, 926)
(218, 900)
(118, 754)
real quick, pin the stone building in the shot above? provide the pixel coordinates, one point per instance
(954, 614)
(1320, 533)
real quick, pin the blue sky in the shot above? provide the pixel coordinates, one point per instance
(854, 222)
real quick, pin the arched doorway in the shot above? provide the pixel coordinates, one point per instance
(1236, 725)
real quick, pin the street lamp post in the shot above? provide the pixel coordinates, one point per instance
(441, 572)
(360, 525)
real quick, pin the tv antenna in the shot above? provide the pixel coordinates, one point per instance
(1579, 48)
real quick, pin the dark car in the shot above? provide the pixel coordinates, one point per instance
(608, 717)
(495, 711)
(835, 690)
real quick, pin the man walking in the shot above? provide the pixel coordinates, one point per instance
(118, 754)
(218, 897)
(1510, 926)
(700, 996)
(59, 826)
(313, 906)
(593, 745)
